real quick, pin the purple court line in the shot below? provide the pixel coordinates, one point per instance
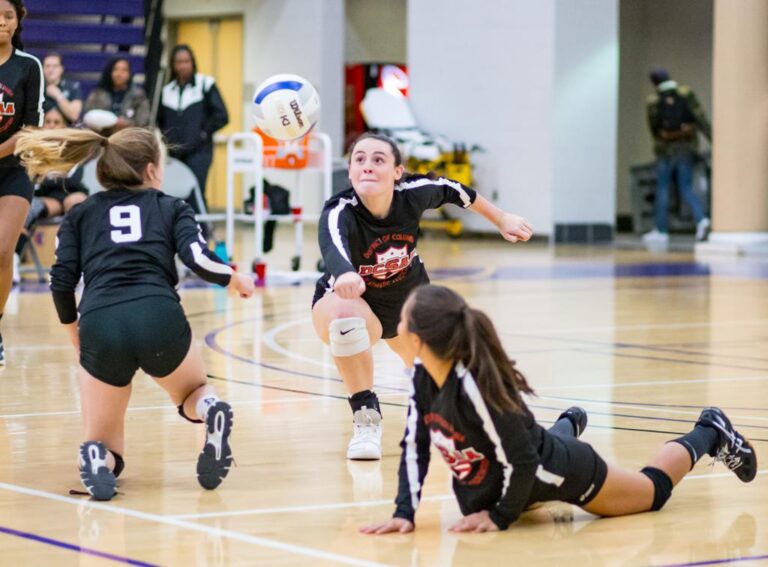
(718, 561)
(72, 547)
(210, 341)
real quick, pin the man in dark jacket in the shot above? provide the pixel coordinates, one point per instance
(191, 111)
(674, 118)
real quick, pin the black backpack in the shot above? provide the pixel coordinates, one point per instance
(673, 111)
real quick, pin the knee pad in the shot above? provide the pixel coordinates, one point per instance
(348, 336)
(662, 486)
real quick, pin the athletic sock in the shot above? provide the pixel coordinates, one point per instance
(700, 441)
(201, 408)
(364, 399)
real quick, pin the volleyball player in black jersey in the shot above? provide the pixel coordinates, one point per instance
(466, 400)
(21, 104)
(368, 236)
(123, 242)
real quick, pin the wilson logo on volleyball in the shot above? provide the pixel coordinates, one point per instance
(388, 263)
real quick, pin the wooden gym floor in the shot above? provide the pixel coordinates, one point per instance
(641, 340)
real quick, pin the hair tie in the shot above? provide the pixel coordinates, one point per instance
(104, 141)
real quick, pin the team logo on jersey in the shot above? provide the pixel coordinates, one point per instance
(6, 108)
(388, 263)
(461, 461)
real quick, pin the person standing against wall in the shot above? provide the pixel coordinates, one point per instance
(191, 111)
(675, 117)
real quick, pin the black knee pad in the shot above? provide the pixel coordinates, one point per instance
(662, 486)
(185, 416)
(119, 463)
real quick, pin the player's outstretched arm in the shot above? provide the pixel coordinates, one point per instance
(393, 525)
(512, 227)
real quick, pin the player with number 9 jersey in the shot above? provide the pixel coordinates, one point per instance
(123, 241)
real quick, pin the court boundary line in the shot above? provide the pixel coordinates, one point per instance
(193, 526)
(73, 547)
(374, 503)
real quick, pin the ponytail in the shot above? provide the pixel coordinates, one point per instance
(124, 158)
(455, 331)
(498, 380)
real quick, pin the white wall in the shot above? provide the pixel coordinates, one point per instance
(485, 76)
(305, 37)
(585, 122)
(676, 35)
(537, 90)
(375, 31)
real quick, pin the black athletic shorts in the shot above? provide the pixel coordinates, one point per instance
(583, 472)
(150, 333)
(58, 192)
(387, 309)
(15, 181)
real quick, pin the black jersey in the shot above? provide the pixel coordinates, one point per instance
(124, 242)
(498, 460)
(21, 97)
(383, 251)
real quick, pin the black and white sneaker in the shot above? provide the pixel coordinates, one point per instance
(733, 449)
(98, 480)
(216, 457)
(2, 352)
(578, 417)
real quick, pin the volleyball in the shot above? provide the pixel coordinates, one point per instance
(286, 107)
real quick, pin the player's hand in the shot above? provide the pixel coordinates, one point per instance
(515, 228)
(349, 286)
(242, 284)
(393, 525)
(479, 522)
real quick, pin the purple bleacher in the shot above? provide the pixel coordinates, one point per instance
(89, 61)
(55, 32)
(133, 8)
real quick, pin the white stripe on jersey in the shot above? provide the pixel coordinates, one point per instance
(455, 185)
(206, 263)
(41, 95)
(333, 225)
(411, 455)
(470, 387)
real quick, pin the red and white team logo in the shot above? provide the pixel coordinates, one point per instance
(6, 108)
(460, 460)
(388, 263)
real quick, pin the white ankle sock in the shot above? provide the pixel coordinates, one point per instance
(204, 403)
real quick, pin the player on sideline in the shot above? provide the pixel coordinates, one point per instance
(21, 104)
(123, 241)
(466, 398)
(368, 237)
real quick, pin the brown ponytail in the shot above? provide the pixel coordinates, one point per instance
(454, 331)
(123, 161)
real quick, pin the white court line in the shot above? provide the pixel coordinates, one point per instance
(649, 327)
(304, 400)
(337, 506)
(373, 503)
(268, 338)
(647, 408)
(183, 524)
(655, 383)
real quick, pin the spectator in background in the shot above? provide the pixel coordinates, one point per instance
(59, 92)
(191, 110)
(674, 118)
(116, 93)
